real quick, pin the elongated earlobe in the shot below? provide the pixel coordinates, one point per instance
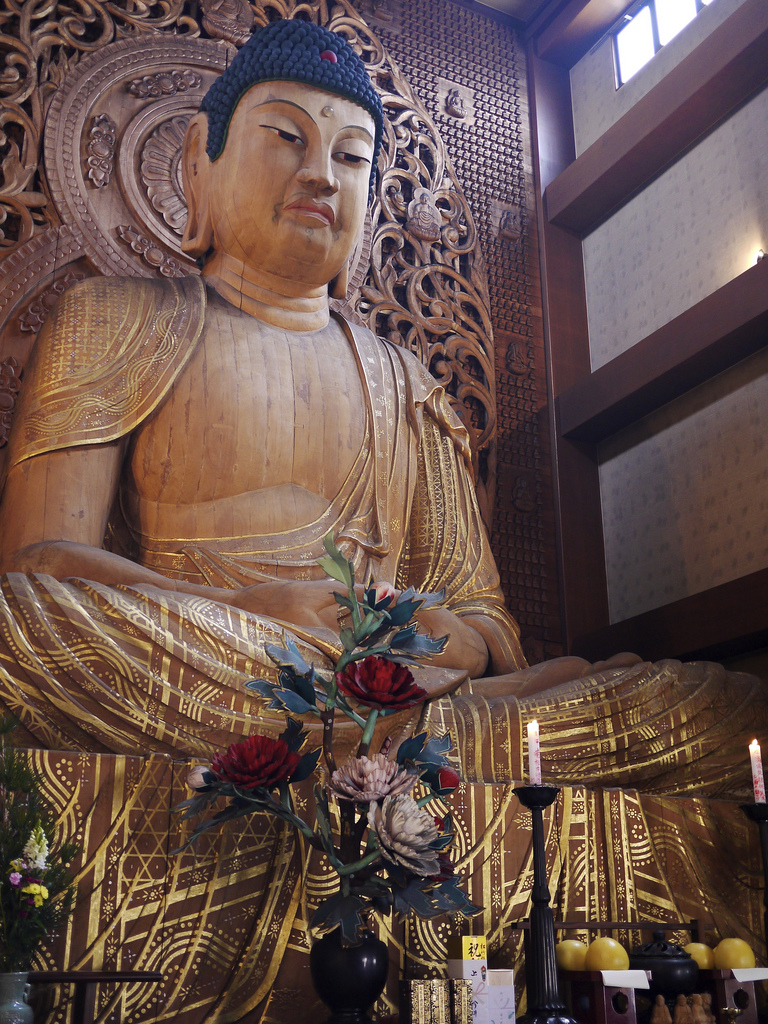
(196, 173)
(339, 285)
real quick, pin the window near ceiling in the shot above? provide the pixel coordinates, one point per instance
(645, 28)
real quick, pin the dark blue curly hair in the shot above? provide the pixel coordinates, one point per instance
(291, 50)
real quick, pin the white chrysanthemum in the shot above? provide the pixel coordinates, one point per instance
(404, 831)
(364, 779)
(36, 850)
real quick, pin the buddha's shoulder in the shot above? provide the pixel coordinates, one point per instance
(420, 381)
(108, 295)
(420, 387)
(102, 320)
(418, 377)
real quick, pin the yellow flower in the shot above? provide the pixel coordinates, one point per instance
(38, 892)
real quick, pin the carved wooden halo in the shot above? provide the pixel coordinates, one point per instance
(122, 231)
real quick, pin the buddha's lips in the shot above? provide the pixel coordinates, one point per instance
(322, 210)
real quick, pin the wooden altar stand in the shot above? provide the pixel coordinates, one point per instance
(86, 983)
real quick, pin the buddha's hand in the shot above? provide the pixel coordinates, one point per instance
(308, 603)
(311, 604)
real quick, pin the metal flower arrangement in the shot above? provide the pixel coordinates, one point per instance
(390, 853)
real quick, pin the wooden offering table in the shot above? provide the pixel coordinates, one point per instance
(733, 990)
(595, 997)
(85, 982)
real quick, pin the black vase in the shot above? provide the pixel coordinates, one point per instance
(349, 979)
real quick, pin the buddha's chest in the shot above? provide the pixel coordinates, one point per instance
(255, 408)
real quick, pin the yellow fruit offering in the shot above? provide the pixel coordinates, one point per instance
(730, 953)
(571, 954)
(606, 954)
(703, 955)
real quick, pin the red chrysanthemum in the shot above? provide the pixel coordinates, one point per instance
(256, 761)
(380, 684)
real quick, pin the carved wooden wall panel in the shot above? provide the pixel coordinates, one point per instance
(93, 105)
(441, 47)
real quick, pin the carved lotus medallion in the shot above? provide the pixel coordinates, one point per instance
(161, 172)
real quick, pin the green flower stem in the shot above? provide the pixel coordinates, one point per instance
(357, 719)
(365, 742)
(327, 717)
(350, 869)
(355, 609)
(425, 799)
(280, 810)
(367, 622)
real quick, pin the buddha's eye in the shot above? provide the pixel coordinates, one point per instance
(351, 158)
(283, 134)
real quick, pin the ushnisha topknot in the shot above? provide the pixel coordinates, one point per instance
(291, 50)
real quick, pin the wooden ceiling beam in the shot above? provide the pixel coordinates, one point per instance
(723, 622)
(716, 333)
(576, 29)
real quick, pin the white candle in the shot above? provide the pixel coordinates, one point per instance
(758, 780)
(534, 754)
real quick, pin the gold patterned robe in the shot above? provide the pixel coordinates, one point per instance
(92, 667)
(117, 670)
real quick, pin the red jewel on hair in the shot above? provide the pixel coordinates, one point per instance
(329, 55)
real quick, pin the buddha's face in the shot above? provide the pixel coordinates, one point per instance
(288, 195)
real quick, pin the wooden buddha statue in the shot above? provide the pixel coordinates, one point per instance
(183, 447)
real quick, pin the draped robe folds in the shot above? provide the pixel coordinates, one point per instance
(92, 667)
(120, 670)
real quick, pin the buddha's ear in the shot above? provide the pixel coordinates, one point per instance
(196, 176)
(339, 285)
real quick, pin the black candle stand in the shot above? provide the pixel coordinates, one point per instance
(759, 813)
(544, 1003)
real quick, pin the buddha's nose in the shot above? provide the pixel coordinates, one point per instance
(317, 171)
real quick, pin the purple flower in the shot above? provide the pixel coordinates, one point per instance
(15, 879)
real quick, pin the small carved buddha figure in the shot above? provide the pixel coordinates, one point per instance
(683, 1013)
(706, 1002)
(424, 220)
(454, 104)
(698, 1012)
(660, 1013)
